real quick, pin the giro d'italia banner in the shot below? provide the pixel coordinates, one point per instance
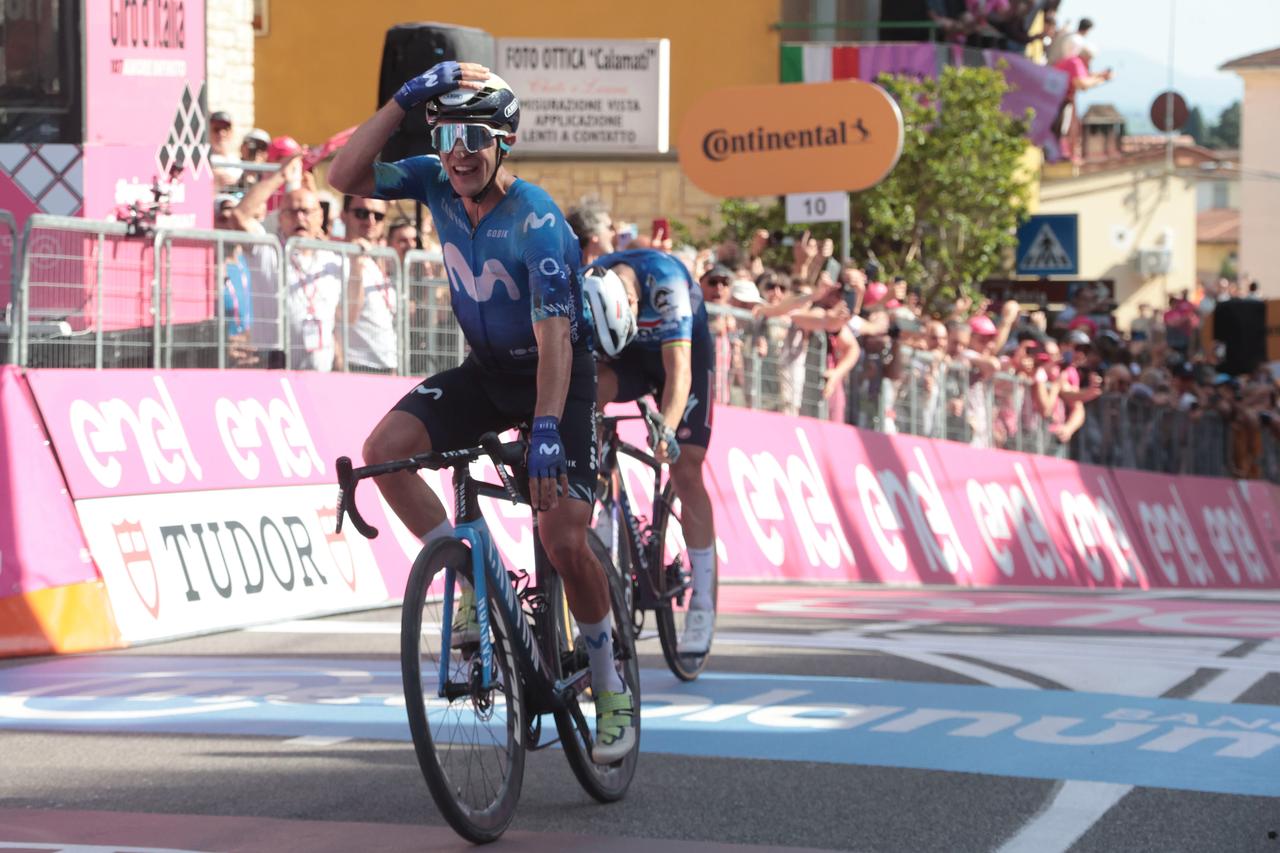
(138, 505)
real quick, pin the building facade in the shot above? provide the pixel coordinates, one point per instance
(1260, 168)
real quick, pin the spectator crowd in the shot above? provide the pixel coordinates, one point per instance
(848, 341)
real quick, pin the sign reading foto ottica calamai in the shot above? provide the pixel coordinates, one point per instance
(589, 96)
(793, 138)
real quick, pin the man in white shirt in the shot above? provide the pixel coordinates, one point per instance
(372, 306)
(313, 288)
(1072, 44)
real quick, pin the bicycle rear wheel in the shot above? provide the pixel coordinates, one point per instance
(468, 739)
(606, 783)
(671, 614)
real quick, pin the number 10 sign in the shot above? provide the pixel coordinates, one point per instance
(817, 207)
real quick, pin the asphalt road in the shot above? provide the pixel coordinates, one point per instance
(831, 718)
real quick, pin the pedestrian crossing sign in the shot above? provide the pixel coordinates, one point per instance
(1048, 244)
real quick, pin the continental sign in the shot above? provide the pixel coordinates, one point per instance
(791, 138)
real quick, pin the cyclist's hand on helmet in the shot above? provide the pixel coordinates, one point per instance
(440, 79)
(547, 468)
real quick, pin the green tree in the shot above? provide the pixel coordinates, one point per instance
(1226, 133)
(946, 216)
(1195, 127)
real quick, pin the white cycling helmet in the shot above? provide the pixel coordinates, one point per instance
(606, 296)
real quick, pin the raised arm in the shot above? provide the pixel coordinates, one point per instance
(352, 168)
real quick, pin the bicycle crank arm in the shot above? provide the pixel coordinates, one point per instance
(570, 685)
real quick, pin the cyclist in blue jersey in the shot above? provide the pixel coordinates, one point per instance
(672, 355)
(512, 265)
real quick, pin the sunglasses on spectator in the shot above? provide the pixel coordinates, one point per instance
(769, 287)
(474, 137)
(363, 214)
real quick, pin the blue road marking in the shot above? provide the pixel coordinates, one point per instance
(1041, 734)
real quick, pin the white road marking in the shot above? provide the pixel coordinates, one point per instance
(1076, 807)
(315, 740)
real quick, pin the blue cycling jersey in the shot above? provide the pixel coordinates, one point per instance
(671, 306)
(519, 265)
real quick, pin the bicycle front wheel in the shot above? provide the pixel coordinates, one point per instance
(671, 613)
(468, 738)
(605, 782)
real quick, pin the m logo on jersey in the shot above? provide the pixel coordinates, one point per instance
(480, 288)
(536, 222)
(548, 449)
(433, 393)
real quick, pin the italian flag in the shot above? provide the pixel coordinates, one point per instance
(819, 63)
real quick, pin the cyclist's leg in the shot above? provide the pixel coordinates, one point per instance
(448, 411)
(563, 531)
(622, 379)
(694, 435)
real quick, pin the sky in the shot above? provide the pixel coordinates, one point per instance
(1132, 38)
(1207, 33)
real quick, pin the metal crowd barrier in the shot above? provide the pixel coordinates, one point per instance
(236, 276)
(1125, 431)
(320, 277)
(766, 364)
(10, 253)
(435, 341)
(84, 291)
(936, 397)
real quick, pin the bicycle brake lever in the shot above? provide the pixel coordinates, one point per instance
(503, 455)
(347, 500)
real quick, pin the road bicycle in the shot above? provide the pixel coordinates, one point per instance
(639, 546)
(476, 708)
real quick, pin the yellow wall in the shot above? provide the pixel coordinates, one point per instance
(317, 68)
(1141, 200)
(1210, 257)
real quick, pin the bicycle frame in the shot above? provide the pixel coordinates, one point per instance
(534, 648)
(646, 560)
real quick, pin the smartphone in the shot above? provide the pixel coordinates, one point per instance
(661, 230)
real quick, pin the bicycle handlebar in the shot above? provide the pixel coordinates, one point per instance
(502, 454)
(658, 430)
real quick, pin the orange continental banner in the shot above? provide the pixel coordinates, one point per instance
(791, 138)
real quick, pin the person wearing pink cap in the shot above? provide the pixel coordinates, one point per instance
(876, 292)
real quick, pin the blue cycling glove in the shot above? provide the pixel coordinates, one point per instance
(439, 79)
(546, 450)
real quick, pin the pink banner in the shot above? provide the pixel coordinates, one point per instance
(1262, 500)
(1008, 523)
(1039, 88)
(40, 544)
(1102, 544)
(1197, 530)
(191, 485)
(910, 59)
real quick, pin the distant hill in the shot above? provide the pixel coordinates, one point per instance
(1138, 80)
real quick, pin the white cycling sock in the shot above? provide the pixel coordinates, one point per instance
(702, 561)
(599, 639)
(440, 531)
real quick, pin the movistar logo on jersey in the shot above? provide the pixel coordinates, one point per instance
(549, 449)
(480, 288)
(535, 222)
